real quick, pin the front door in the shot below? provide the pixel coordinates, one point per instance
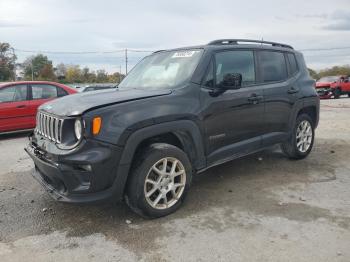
(233, 119)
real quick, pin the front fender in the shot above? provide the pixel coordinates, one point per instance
(187, 132)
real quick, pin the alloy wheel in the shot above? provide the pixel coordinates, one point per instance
(304, 136)
(165, 183)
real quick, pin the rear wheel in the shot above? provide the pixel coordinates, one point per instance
(159, 181)
(301, 141)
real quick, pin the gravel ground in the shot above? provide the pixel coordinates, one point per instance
(259, 208)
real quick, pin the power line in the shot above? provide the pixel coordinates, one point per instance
(148, 51)
(82, 52)
(325, 49)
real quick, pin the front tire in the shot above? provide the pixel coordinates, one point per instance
(159, 181)
(301, 141)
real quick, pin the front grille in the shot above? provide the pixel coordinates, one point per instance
(49, 126)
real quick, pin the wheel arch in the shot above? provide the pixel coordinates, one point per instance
(310, 111)
(184, 134)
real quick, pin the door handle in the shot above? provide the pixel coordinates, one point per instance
(254, 98)
(293, 90)
(21, 106)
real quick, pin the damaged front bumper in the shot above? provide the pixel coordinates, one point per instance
(85, 175)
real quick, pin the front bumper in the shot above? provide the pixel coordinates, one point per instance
(87, 175)
(324, 92)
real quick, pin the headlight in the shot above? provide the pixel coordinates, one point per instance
(78, 129)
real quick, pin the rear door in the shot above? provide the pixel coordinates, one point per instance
(277, 74)
(40, 94)
(14, 108)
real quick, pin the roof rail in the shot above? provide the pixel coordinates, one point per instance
(236, 42)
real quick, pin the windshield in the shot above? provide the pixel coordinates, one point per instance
(163, 70)
(328, 79)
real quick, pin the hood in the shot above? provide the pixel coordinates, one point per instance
(77, 104)
(323, 84)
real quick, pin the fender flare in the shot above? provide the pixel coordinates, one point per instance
(183, 129)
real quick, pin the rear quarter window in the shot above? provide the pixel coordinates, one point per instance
(293, 65)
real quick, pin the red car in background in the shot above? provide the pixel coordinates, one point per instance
(335, 86)
(19, 102)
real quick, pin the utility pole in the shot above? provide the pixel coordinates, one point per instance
(126, 61)
(14, 64)
(31, 62)
(120, 74)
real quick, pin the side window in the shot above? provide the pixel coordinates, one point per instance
(44, 91)
(13, 93)
(241, 62)
(61, 92)
(273, 66)
(292, 64)
(209, 79)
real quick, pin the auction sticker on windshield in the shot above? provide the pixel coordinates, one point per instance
(184, 54)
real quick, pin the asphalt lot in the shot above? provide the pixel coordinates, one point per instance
(259, 208)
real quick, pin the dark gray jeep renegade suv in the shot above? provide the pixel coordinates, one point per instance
(177, 113)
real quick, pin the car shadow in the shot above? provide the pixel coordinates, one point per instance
(19, 134)
(243, 185)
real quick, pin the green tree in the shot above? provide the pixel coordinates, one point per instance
(313, 73)
(7, 62)
(335, 70)
(115, 78)
(38, 67)
(101, 76)
(47, 73)
(73, 74)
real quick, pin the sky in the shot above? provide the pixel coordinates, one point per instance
(112, 25)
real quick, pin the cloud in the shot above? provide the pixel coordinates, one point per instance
(341, 25)
(340, 21)
(106, 25)
(9, 24)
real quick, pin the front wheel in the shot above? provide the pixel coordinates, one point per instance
(301, 141)
(159, 181)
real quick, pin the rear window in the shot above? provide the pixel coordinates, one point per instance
(44, 91)
(272, 66)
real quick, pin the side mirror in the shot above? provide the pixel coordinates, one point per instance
(232, 81)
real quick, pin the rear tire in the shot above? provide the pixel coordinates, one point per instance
(301, 141)
(159, 181)
(337, 93)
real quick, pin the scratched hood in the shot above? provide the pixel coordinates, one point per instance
(77, 104)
